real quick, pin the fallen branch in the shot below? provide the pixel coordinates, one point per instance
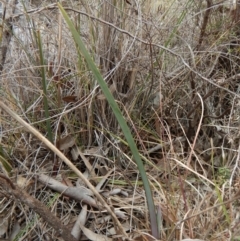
(81, 194)
(37, 206)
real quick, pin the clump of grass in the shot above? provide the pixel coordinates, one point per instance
(183, 116)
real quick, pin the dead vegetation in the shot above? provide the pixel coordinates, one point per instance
(173, 69)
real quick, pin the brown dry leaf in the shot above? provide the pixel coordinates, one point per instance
(93, 236)
(75, 153)
(82, 218)
(93, 151)
(23, 182)
(66, 142)
(70, 98)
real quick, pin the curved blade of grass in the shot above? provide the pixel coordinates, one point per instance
(120, 118)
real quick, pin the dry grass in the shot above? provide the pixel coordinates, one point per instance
(184, 52)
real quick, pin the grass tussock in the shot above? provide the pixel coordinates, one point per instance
(172, 68)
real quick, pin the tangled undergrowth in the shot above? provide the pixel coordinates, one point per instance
(173, 69)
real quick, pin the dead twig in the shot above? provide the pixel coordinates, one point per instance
(80, 194)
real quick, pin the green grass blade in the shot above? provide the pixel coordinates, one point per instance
(44, 84)
(120, 118)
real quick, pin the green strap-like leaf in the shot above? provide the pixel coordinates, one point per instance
(120, 118)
